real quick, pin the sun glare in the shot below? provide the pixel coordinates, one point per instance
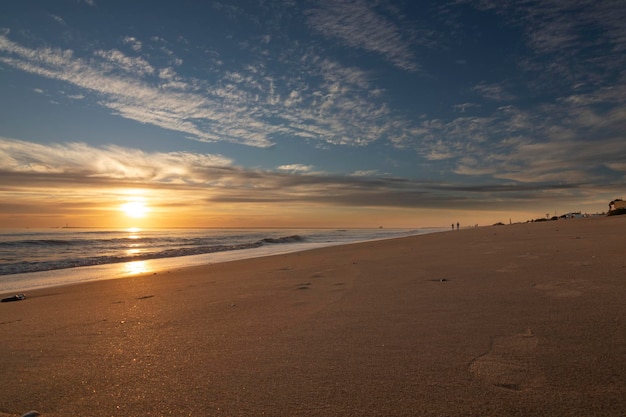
(135, 267)
(135, 209)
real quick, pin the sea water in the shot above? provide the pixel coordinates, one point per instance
(36, 258)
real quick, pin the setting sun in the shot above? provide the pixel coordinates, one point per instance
(135, 209)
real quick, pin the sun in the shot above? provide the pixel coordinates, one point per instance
(135, 209)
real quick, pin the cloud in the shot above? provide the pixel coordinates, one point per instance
(355, 24)
(135, 44)
(560, 135)
(561, 161)
(114, 60)
(120, 85)
(365, 173)
(574, 140)
(199, 179)
(494, 92)
(251, 105)
(296, 168)
(58, 19)
(461, 108)
(107, 162)
(565, 37)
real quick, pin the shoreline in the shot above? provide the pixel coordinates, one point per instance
(28, 281)
(130, 269)
(522, 319)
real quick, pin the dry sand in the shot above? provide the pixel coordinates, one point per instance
(516, 320)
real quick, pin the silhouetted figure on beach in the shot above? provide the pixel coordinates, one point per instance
(457, 225)
(452, 226)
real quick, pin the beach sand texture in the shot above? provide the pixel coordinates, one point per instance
(516, 320)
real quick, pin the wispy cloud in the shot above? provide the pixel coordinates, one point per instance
(120, 84)
(576, 139)
(461, 108)
(293, 168)
(492, 91)
(365, 173)
(250, 105)
(355, 24)
(114, 60)
(58, 19)
(564, 38)
(107, 162)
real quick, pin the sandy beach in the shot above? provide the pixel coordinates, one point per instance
(515, 320)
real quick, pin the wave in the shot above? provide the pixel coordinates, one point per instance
(286, 239)
(184, 248)
(37, 242)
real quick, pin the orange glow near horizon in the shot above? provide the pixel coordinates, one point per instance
(135, 209)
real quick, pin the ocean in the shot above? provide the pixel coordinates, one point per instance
(37, 258)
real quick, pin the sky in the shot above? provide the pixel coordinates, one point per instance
(325, 113)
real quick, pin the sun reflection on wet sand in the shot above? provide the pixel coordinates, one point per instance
(135, 267)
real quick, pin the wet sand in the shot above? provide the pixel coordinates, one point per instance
(524, 319)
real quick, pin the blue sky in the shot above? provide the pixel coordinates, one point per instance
(311, 112)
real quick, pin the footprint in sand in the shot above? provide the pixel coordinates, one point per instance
(509, 364)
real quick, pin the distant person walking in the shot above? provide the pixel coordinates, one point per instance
(457, 225)
(452, 226)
